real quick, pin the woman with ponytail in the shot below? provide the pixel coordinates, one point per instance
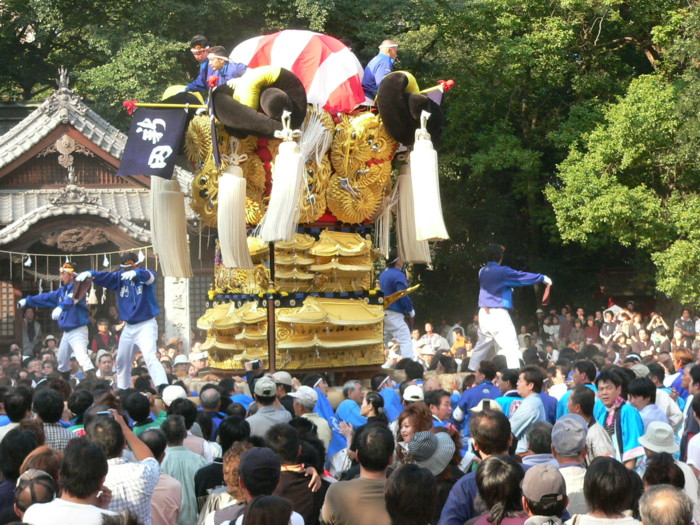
(499, 479)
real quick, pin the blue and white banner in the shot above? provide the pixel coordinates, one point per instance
(154, 141)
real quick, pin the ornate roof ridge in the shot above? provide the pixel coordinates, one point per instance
(65, 107)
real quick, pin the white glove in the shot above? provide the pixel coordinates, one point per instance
(82, 276)
(412, 314)
(56, 313)
(547, 281)
(232, 83)
(128, 276)
(200, 111)
(21, 303)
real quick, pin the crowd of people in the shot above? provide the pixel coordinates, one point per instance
(581, 433)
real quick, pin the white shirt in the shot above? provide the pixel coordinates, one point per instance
(295, 520)
(62, 512)
(132, 486)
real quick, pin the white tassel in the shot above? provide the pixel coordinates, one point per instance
(169, 223)
(28, 261)
(92, 296)
(156, 188)
(410, 249)
(430, 225)
(317, 139)
(385, 221)
(230, 219)
(105, 261)
(288, 177)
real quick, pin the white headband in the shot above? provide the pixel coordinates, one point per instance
(218, 56)
(383, 382)
(388, 45)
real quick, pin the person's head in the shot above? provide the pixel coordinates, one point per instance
(569, 438)
(305, 399)
(410, 495)
(316, 380)
(138, 406)
(583, 372)
(544, 491)
(33, 486)
(185, 408)
(199, 46)
(415, 418)
(530, 381)
(641, 392)
(494, 253)
(486, 371)
(231, 460)
(174, 429)
(284, 440)
(539, 438)
(508, 380)
(438, 402)
(265, 391)
(83, 469)
(217, 57)
(490, 431)
(414, 370)
(283, 380)
(29, 314)
(609, 384)
(606, 487)
(155, 440)
(259, 471)
(394, 260)
(18, 404)
(231, 430)
(14, 448)
(661, 469)
(105, 364)
(353, 390)
(268, 510)
(665, 505)
(656, 373)
(48, 405)
(48, 366)
(391, 49)
(372, 405)
(380, 381)
(498, 479)
(107, 434)
(210, 399)
(682, 357)
(43, 458)
(375, 448)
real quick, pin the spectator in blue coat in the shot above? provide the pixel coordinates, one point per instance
(484, 389)
(379, 67)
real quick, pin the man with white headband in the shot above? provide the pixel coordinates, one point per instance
(72, 317)
(379, 67)
(392, 280)
(139, 308)
(222, 67)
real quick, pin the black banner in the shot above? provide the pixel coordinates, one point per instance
(154, 140)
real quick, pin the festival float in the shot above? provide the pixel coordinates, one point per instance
(306, 187)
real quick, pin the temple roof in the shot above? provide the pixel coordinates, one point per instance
(64, 107)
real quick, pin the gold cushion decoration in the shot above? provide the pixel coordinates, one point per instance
(198, 140)
(332, 243)
(205, 189)
(212, 314)
(350, 203)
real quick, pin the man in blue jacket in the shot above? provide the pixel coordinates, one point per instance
(495, 299)
(138, 307)
(392, 280)
(72, 318)
(379, 67)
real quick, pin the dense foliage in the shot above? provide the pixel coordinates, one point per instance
(572, 134)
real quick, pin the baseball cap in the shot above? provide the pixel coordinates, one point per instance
(432, 451)
(659, 438)
(283, 378)
(265, 387)
(306, 395)
(259, 463)
(569, 435)
(413, 393)
(100, 353)
(49, 337)
(181, 359)
(173, 392)
(543, 484)
(31, 478)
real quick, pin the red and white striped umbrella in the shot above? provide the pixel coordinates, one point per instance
(330, 72)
